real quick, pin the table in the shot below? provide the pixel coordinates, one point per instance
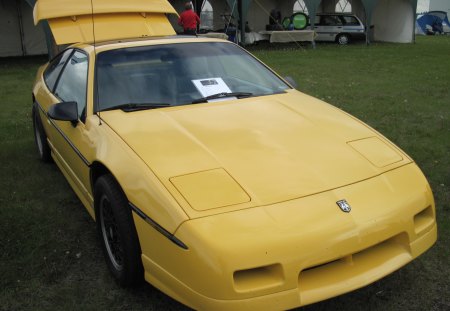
(290, 35)
(217, 35)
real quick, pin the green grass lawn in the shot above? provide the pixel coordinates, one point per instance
(50, 257)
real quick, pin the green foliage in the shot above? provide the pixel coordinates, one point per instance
(49, 252)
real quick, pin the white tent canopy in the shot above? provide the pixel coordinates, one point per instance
(394, 21)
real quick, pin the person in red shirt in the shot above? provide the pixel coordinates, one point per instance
(189, 20)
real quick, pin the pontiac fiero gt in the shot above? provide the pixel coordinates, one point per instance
(212, 177)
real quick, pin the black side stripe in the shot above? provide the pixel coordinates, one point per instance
(157, 227)
(85, 161)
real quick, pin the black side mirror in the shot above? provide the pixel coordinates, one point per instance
(64, 111)
(291, 81)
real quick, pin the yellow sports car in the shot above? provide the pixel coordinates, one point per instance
(212, 177)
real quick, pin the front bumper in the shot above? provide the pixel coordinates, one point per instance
(297, 252)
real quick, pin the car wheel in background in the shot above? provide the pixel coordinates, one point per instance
(40, 137)
(343, 39)
(117, 232)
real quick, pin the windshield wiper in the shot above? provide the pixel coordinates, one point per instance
(222, 95)
(137, 106)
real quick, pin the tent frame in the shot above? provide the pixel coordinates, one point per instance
(313, 6)
(243, 7)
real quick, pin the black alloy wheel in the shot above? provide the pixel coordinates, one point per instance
(117, 232)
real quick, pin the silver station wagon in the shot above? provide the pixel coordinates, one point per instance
(338, 27)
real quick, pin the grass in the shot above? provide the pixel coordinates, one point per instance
(49, 252)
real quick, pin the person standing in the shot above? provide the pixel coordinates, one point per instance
(189, 20)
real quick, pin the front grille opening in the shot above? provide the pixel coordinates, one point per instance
(354, 270)
(423, 220)
(258, 278)
(324, 264)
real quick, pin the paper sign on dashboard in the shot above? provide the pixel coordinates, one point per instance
(211, 86)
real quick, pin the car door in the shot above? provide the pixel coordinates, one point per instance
(352, 24)
(70, 140)
(327, 27)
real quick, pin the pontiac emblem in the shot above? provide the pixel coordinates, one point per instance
(344, 206)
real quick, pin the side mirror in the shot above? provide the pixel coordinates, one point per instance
(291, 81)
(64, 111)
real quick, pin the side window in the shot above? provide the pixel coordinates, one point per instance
(54, 68)
(330, 20)
(73, 82)
(317, 20)
(351, 21)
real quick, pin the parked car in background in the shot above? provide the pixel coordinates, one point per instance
(341, 28)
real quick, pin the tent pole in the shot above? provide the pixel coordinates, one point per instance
(312, 6)
(197, 7)
(229, 21)
(368, 20)
(368, 9)
(242, 20)
(22, 35)
(198, 12)
(414, 8)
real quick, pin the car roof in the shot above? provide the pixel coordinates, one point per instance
(136, 42)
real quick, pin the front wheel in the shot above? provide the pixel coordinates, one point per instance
(117, 232)
(343, 39)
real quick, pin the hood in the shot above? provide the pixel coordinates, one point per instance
(254, 151)
(101, 20)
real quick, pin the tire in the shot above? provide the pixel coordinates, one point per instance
(343, 39)
(300, 20)
(286, 22)
(40, 138)
(117, 232)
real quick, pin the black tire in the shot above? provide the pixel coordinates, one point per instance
(40, 138)
(343, 39)
(117, 232)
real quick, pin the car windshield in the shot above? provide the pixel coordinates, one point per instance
(180, 74)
